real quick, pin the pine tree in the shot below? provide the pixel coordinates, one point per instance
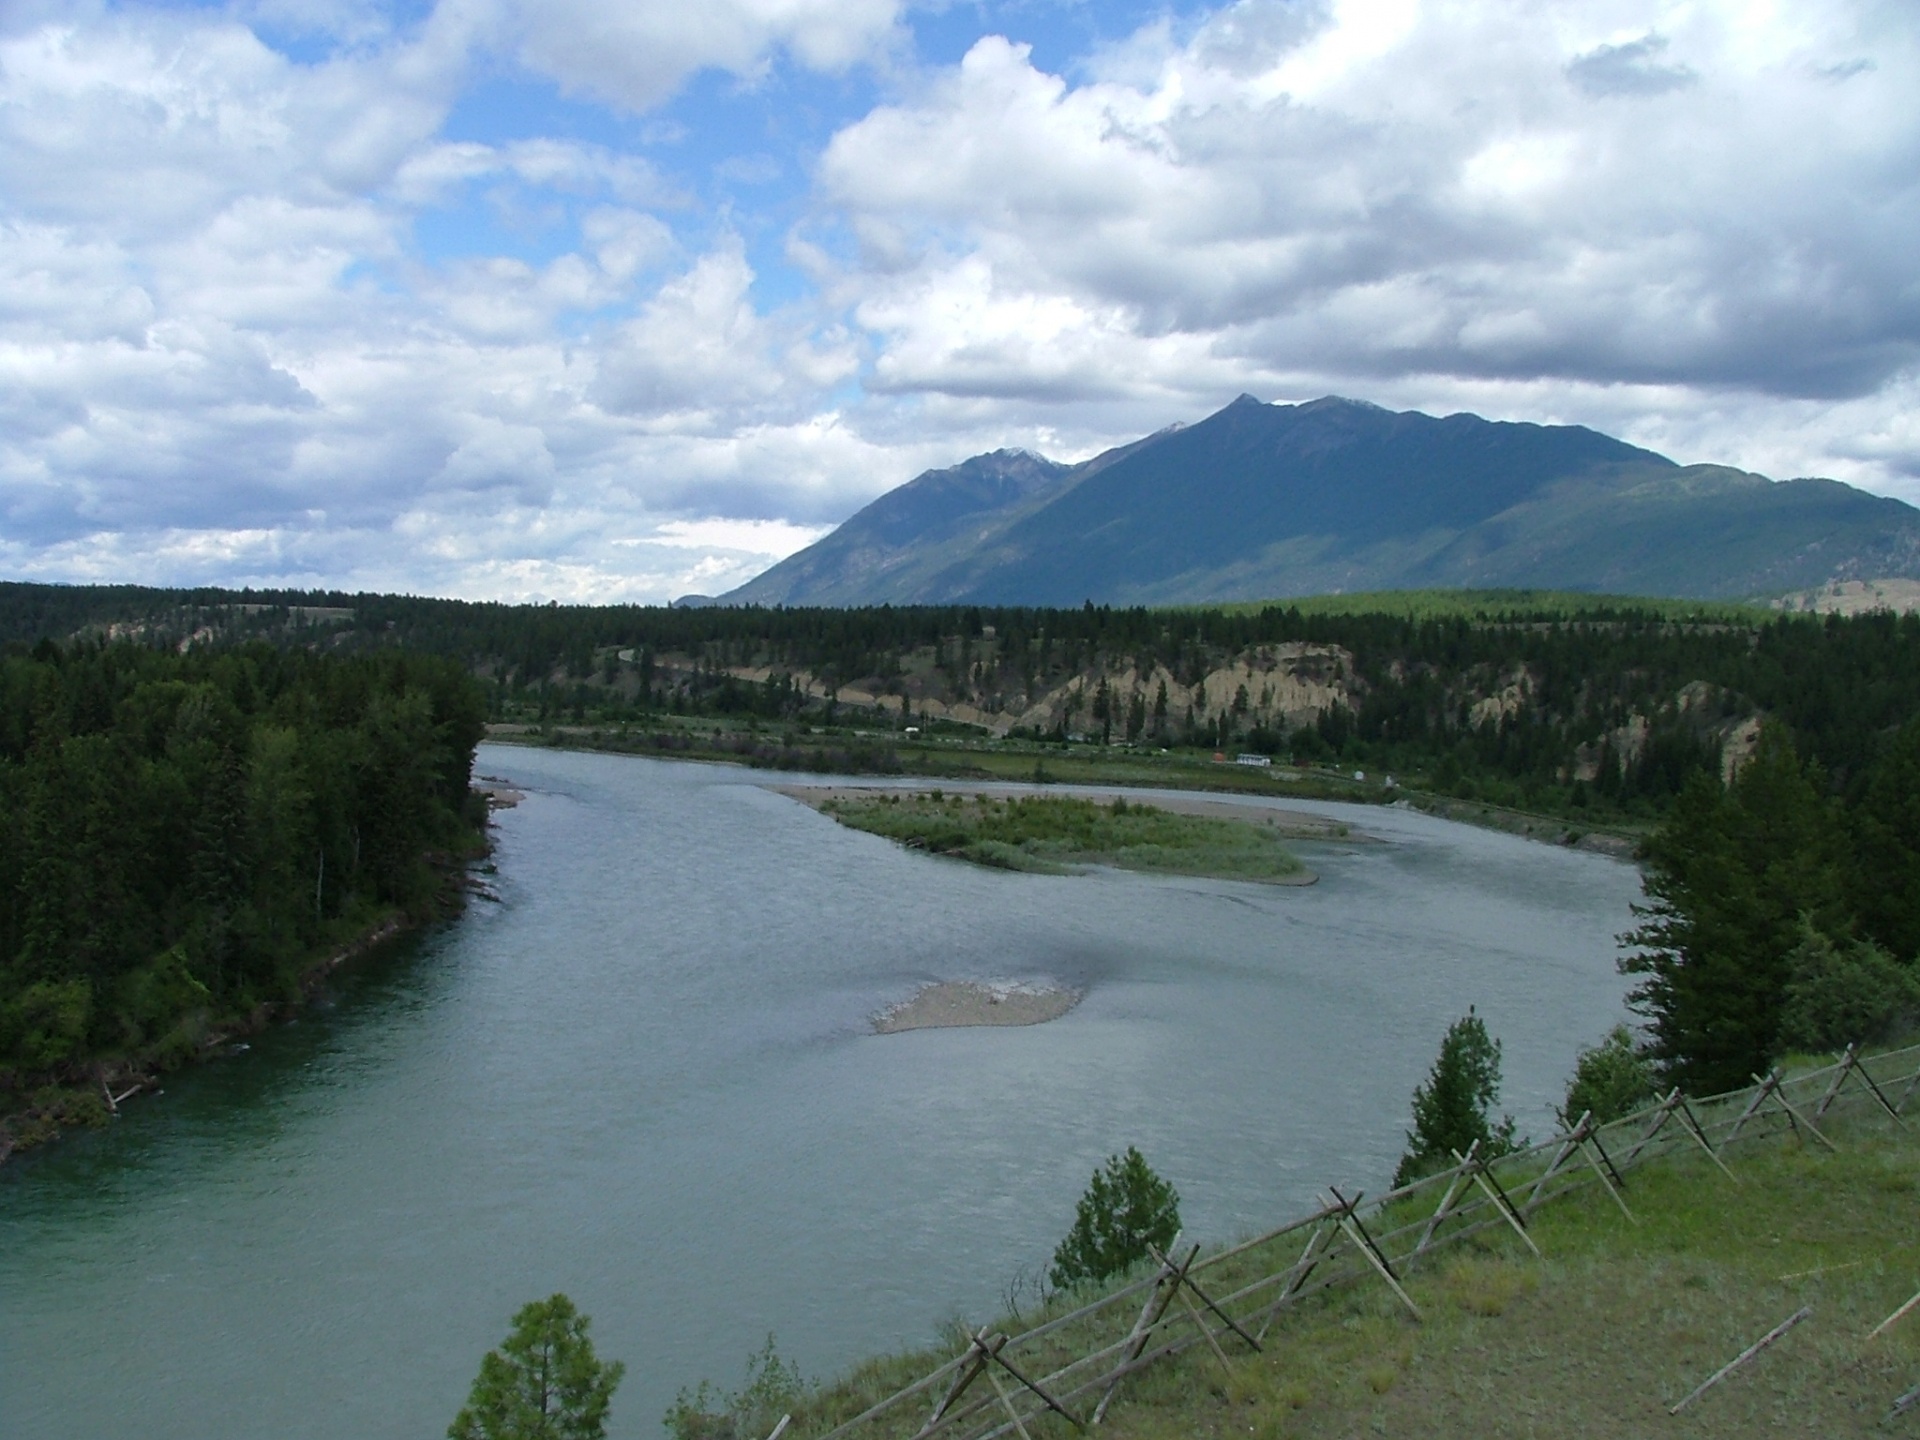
(1126, 1208)
(1730, 876)
(543, 1383)
(1451, 1111)
(1886, 879)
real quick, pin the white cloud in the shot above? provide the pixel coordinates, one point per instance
(771, 537)
(636, 55)
(226, 356)
(498, 456)
(700, 354)
(955, 329)
(221, 357)
(1703, 204)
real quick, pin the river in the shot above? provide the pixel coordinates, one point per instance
(647, 1078)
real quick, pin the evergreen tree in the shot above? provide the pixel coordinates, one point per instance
(1886, 878)
(543, 1383)
(1125, 1209)
(1842, 994)
(1730, 876)
(1610, 1080)
(1451, 1111)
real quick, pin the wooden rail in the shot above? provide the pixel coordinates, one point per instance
(1085, 1354)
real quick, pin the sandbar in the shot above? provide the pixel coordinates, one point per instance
(969, 1002)
(501, 795)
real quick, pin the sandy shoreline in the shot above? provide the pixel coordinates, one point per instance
(500, 794)
(969, 1002)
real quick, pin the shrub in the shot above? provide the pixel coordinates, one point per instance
(152, 999)
(774, 1388)
(1126, 1208)
(1841, 993)
(1450, 1111)
(46, 1024)
(1610, 1080)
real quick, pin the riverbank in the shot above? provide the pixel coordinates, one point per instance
(1059, 834)
(36, 1109)
(970, 762)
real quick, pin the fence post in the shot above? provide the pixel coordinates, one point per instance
(1305, 1265)
(1443, 1213)
(1854, 1065)
(1186, 1280)
(1486, 1181)
(1661, 1116)
(1774, 1084)
(1357, 1232)
(1846, 1063)
(1582, 1138)
(1553, 1168)
(1158, 1298)
(1699, 1134)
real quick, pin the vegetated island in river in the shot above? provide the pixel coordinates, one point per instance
(1059, 834)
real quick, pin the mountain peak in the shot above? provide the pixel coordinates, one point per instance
(1344, 402)
(1266, 500)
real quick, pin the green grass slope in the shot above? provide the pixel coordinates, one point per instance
(1610, 1312)
(1615, 1324)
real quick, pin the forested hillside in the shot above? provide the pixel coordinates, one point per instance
(1561, 703)
(180, 834)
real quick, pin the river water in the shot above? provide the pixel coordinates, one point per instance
(648, 1078)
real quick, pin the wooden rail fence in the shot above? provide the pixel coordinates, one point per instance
(1072, 1365)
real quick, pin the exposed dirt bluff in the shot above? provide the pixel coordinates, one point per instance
(1291, 684)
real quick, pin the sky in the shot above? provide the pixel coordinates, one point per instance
(620, 300)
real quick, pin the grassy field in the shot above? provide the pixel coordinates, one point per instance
(1057, 833)
(1615, 1324)
(1097, 765)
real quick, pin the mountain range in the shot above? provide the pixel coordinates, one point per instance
(1261, 501)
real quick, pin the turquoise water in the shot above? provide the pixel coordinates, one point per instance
(647, 1078)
